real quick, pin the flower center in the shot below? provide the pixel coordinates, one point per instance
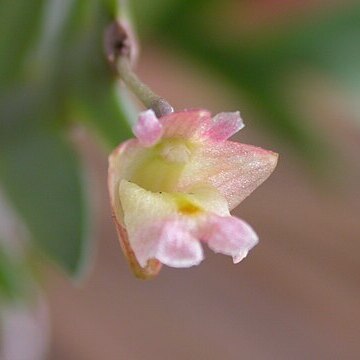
(160, 167)
(185, 205)
(179, 153)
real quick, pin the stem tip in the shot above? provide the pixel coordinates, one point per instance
(161, 107)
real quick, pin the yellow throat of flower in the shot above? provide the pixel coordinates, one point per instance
(160, 166)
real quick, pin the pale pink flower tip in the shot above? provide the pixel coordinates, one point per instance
(173, 187)
(225, 124)
(148, 129)
(231, 236)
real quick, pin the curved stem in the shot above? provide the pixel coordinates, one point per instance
(142, 91)
(120, 48)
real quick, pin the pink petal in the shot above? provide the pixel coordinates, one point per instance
(230, 236)
(234, 169)
(177, 247)
(170, 241)
(187, 124)
(148, 129)
(225, 125)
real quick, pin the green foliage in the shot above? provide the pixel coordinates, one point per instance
(332, 44)
(77, 70)
(95, 95)
(13, 277)
(19, 25)
(42, 177)
(53, 72)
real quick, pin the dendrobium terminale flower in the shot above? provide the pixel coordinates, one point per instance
(172, 189)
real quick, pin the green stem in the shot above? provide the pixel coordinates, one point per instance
(120, 48)
(150, 100)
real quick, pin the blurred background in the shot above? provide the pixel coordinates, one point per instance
(293, 70)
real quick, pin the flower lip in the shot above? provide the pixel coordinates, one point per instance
(178, 247)
(187, 207)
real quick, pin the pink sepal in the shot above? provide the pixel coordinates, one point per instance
(225, 124)
(148, 129)
(234, 169)
(198, 124)
(187, 124)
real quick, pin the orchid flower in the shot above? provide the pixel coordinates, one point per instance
(172, 189)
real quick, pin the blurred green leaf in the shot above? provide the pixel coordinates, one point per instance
(68, 59)
(42, 177)
(13, 277)
(326, 40)
(330, 43)
(19, 25)
(77, 70)
(67, 79)
(95, 90)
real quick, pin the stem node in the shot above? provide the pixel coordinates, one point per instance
(120, 49)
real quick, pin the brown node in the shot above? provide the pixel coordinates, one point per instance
(117, 42)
